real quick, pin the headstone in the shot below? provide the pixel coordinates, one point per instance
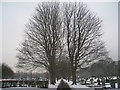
(63, 86)
(112, 82)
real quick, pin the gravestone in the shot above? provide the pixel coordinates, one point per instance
(63, 86)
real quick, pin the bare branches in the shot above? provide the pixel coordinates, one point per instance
(43, 42)
(51, 31)
(83, 31)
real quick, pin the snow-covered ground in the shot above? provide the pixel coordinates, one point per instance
(54, 87)
(69, 83)
(56, 84)
(78, 86)
(51, 87)
(75, 86)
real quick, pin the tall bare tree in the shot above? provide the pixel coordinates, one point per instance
(43, 44)
(83, 36)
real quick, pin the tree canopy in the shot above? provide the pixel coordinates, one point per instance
(56, 28)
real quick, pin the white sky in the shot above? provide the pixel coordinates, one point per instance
(16, 14)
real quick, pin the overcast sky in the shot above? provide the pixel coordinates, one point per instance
(16, 14)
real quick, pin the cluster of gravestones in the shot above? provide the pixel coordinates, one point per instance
(24, 83)
(102, 83)
(112, 83)
(64, 86)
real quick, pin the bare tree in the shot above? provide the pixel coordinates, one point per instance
(42, 46)
(54, 29)
(83, 36)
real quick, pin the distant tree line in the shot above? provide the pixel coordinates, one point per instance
(6, 71)
(102, 68)
(31, 75)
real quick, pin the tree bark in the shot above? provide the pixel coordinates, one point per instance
(52, 75)
(74, 76)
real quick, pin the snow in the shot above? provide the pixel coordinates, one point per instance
(75, 86)
(56, 84)
(54, 87)
(8, 79)
(69, 83)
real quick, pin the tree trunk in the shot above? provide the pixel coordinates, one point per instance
(118, 82)
(74, 76)
(52, 71)
(52, 76)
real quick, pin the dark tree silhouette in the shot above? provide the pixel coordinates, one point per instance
(7, 72)
(103, 68)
